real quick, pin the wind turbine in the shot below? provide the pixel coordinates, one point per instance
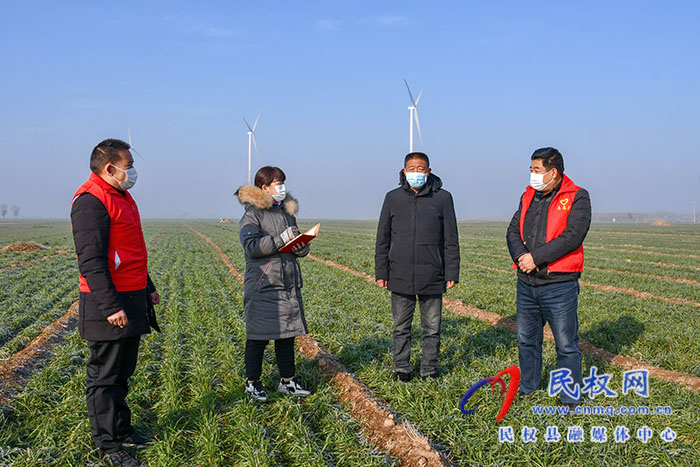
(128, 125)
(251, 139)
(413, 110)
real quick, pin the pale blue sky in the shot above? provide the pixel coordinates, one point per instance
(614, 85)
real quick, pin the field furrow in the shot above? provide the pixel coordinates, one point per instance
(188, 388)
(399, 438)
(352, 317)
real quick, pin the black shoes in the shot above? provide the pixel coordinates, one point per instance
(403, 377)
(120, 457)
(571, 408)
(136, 439)
(406, 377)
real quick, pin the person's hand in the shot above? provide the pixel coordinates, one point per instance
(289, 234)
(526, 263)
(382, 283)
(299, 247)
(118, 319)
(450, 284)
(155, 298)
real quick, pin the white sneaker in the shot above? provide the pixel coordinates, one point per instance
(256, 391)
(292, 388)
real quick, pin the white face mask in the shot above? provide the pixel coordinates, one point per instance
(416, 179)
(537, 181)
(281, 193)
(131, 176)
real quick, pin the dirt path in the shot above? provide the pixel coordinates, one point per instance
(60, 252)
(627, 363)
(382, 426)
(16, 371)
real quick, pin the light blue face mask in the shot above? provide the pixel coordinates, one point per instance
(416, 179)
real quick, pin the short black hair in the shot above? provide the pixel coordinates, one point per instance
(416, 155)
(268, 174)
(551, 159)
(107, 152)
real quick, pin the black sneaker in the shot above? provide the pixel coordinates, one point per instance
(256, 391)
(120, 457)
(403, 377)
(431, 376)
(136, 439)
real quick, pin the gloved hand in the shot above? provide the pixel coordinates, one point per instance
(289, 234)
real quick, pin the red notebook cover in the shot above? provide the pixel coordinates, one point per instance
(306, 237)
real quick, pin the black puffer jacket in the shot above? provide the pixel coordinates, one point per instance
(417, 248)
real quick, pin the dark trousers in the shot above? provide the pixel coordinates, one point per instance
(557, 305)
(109, 367)
(402, 307)
(254, 350)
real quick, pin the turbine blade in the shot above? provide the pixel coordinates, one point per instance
(256, 122)
(409, 92)
(128, 126)
(255, 143)
(248, 125)
(137, 153)
(419, 94)
(420, 136)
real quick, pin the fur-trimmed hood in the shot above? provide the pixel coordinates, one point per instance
(254, 196)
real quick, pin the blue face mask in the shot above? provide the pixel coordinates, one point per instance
(416, 179)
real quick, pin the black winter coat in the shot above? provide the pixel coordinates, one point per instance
(417, 247)
(90, 221)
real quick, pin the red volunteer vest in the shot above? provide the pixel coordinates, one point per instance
(558, 213)
(127, 256)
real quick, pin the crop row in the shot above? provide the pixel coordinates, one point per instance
(188, 388)
(657, 332)
(34, 295)
(352, 317)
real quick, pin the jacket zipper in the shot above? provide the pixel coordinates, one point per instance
(264, 271)
(284, 269)
(415, 240)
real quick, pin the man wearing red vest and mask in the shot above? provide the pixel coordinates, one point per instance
(545, 240)
(116, 294)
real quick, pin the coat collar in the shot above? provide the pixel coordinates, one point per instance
(96, 179)
(565, 186)
(251, 195)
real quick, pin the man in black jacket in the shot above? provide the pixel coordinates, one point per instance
(116, 294)
(417, 254)
(545, 240)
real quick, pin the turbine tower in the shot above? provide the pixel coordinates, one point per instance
(413, 111)
(251, 140)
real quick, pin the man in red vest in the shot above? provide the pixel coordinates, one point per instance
(545, 240)
(116, 294)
